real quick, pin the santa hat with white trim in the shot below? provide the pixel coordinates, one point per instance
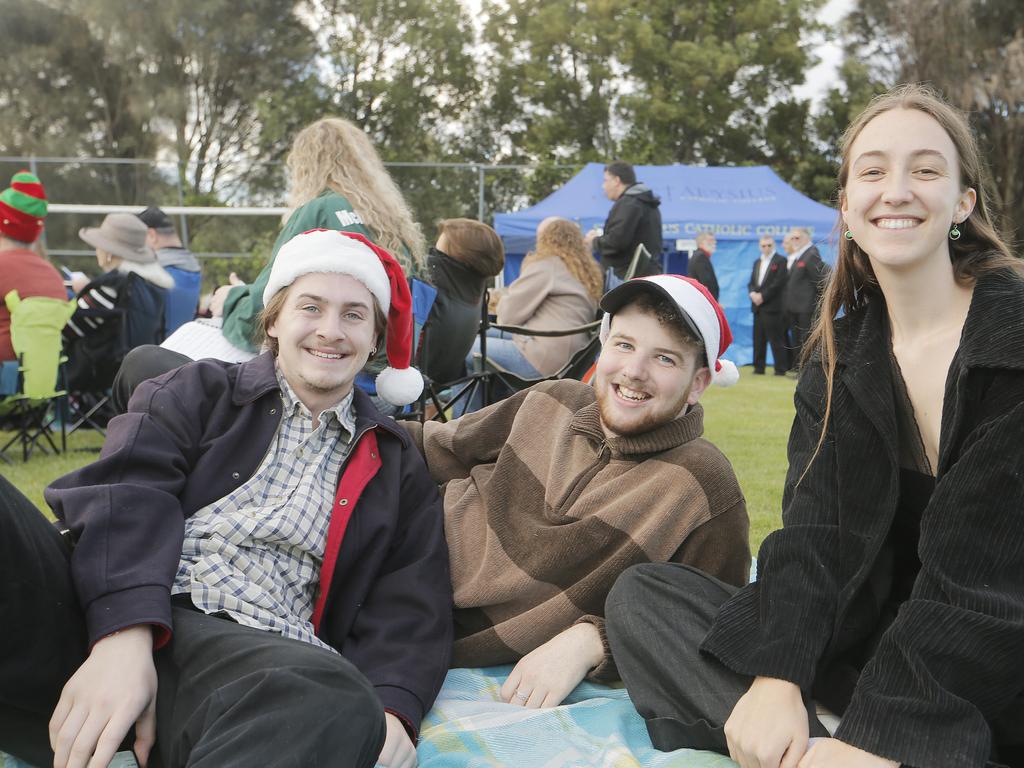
(701, 313)
(348, 253)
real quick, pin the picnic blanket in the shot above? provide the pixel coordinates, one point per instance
(471, 727)
(597, 725)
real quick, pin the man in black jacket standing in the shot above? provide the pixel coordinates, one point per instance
(699, 267)
(633, 219)
(766, 288)
(807, 274)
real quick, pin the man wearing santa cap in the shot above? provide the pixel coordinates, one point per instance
(550, 494)
(256, 542)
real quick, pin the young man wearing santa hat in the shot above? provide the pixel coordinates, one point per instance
(550, 494)
(255, 571)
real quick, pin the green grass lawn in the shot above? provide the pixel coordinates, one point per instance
(749, 422)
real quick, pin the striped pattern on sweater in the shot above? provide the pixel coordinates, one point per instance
(542, 513)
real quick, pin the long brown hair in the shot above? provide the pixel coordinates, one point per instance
(335, 154)
(853, 284)
(561, 238)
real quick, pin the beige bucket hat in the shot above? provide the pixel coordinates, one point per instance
(120, 234)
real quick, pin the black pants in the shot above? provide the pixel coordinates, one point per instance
(770, 328)
(657, 615)
(227, 695)
(142, 363)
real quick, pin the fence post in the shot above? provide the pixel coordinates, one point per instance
(181, 201)
(480, 210)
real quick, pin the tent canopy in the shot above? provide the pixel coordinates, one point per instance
(738, 205)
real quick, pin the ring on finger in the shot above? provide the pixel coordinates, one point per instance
(522, 696)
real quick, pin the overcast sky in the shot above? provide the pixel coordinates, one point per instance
(821, 77)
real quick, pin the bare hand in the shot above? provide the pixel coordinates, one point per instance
(756, 298)
(78, 281)
(218, 298)
(398, 751)
(768, 727)
(546, 675)
(588, 239)
(114, 688)
(832, 753)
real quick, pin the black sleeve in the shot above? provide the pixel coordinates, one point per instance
(619, 234)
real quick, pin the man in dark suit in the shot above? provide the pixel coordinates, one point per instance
(700, 268)
(807, 274)
(766, 289)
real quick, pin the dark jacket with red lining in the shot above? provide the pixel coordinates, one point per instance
(192, 436)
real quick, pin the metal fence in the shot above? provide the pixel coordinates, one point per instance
(82, 190)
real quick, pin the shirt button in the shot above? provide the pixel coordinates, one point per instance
(373, 455)
(343, 502)
(235, 475)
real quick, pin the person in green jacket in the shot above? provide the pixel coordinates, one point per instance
(338, 181)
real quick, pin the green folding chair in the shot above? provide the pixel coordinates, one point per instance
(36, 325)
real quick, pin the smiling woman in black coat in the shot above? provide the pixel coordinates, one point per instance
(894, 593)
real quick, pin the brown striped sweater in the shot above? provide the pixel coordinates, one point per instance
(542, 513)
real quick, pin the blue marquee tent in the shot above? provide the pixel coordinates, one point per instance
(738, 204)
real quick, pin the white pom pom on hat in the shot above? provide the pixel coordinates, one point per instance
(701, 313)
(349, 253)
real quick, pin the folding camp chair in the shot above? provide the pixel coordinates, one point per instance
(36, 325)
(495, 383)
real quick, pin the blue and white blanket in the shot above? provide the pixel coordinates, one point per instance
(471, 727)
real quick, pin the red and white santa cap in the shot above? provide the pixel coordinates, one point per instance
(348, 253)
(701, 313)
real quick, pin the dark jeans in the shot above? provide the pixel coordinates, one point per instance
(227, 696)
(770, 328)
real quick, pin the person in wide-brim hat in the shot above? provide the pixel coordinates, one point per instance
(121, 235)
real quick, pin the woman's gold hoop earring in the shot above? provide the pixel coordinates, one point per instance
(954, 233)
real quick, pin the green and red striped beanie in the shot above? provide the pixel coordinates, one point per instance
(23, 208)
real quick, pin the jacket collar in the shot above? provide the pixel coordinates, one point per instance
(682, 430)
(257, 378)
(990, 338)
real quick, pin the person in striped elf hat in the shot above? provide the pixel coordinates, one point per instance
(22, 211)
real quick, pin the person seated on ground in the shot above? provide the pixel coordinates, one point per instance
(549, 494)
(183, 299)
(558, 287)
(894, 592)
(133, 285)
(22, 210)
(338, 181)
(467, 254)
(256, 543)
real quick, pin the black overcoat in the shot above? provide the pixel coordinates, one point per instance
(952, 662)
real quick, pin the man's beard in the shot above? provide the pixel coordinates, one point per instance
(647, 423)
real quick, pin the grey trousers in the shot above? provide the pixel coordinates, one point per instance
(656, 617)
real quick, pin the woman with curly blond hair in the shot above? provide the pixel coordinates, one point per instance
(337, 182)
(559, 287)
